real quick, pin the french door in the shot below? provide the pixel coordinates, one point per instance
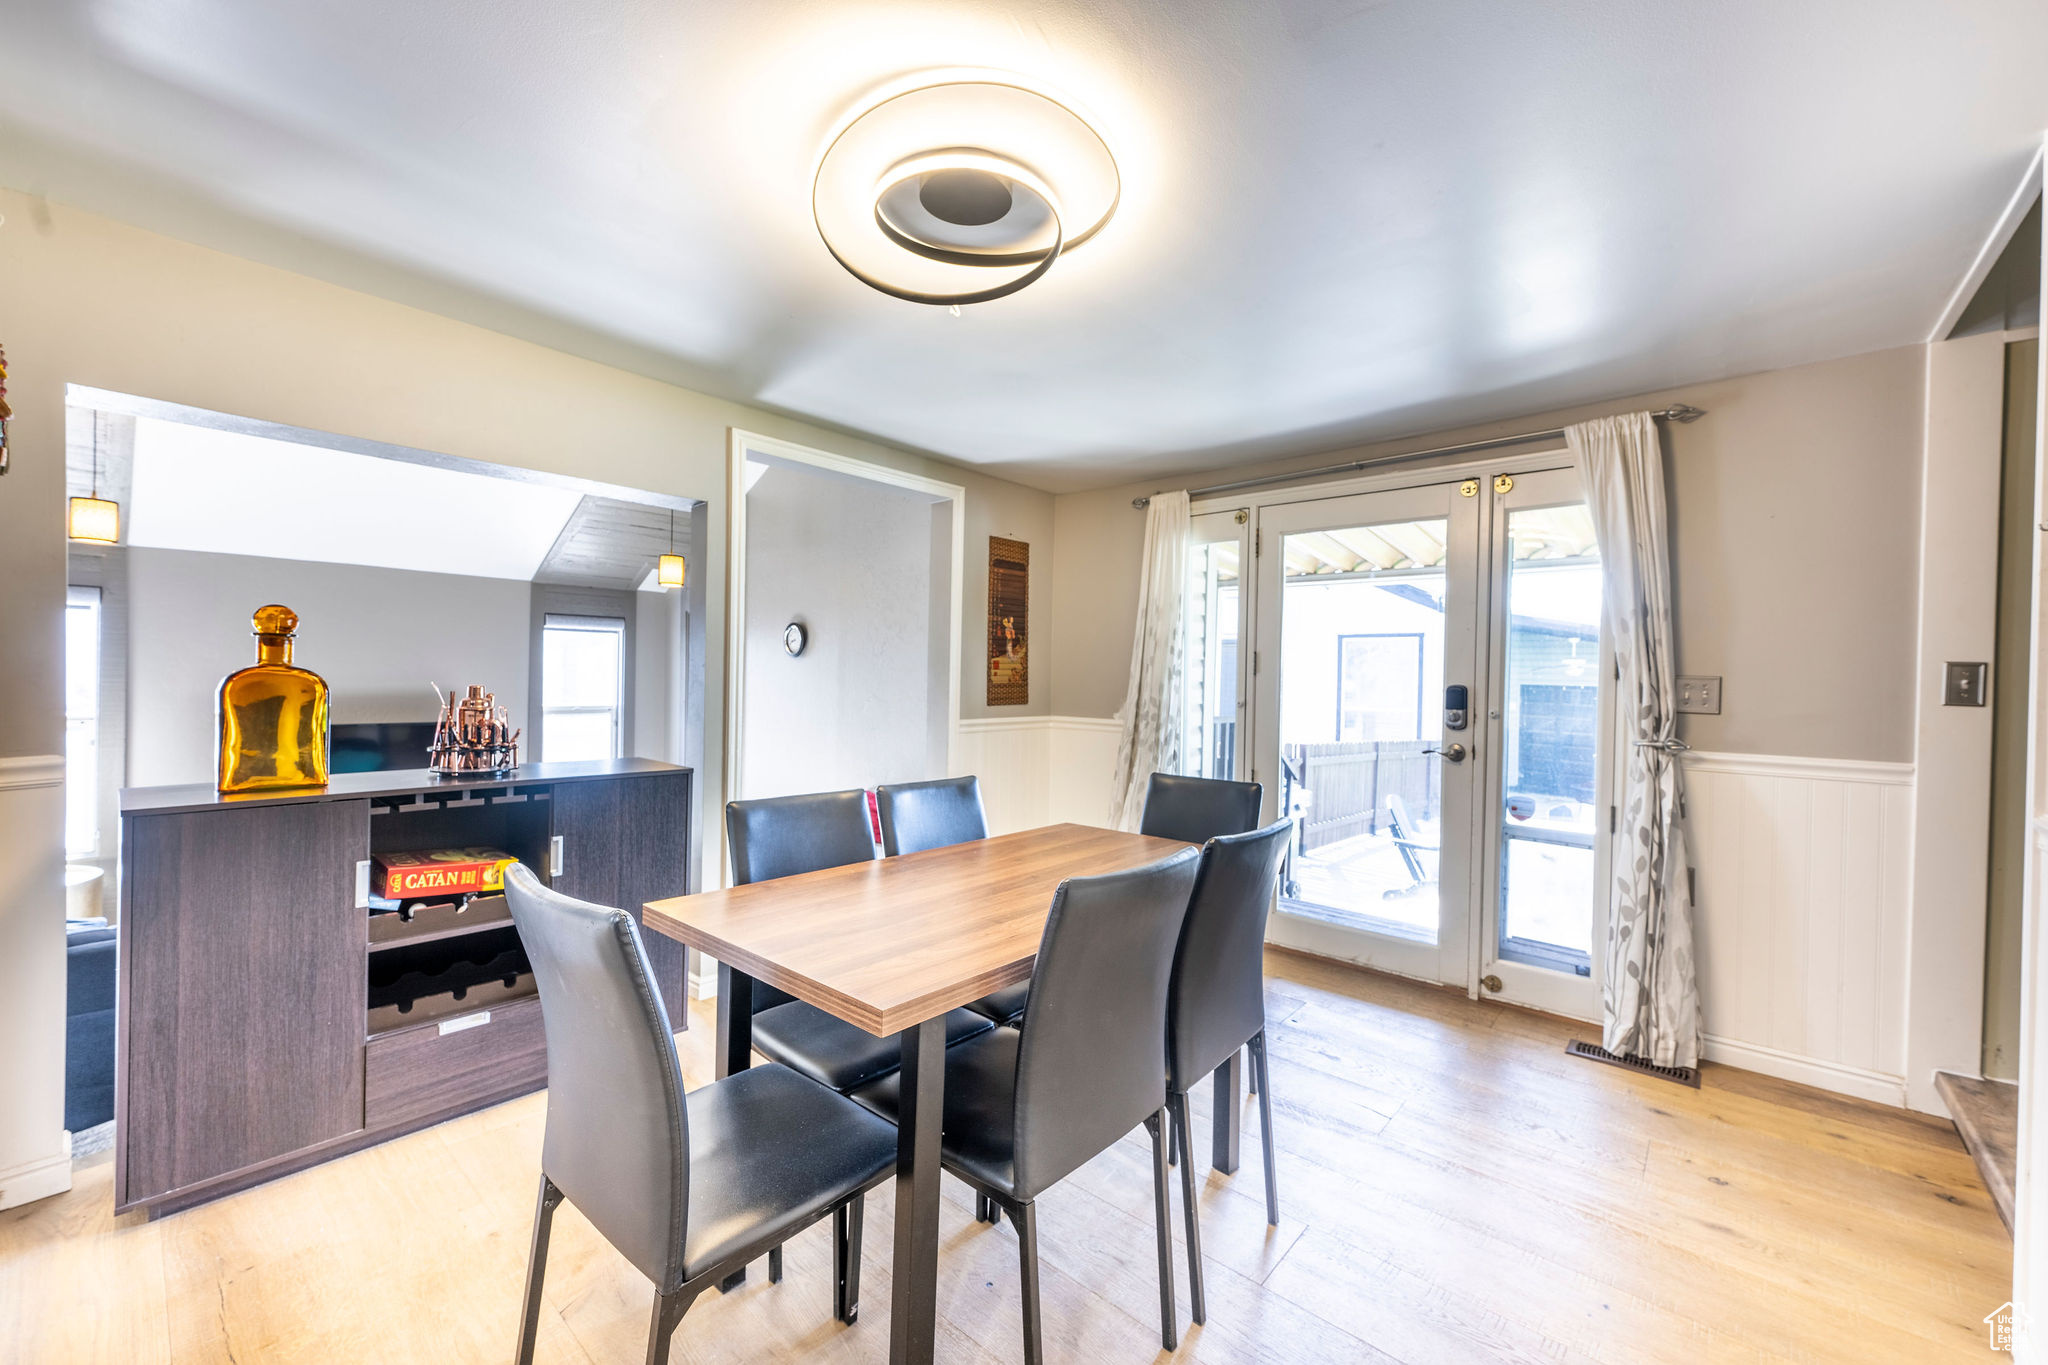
(1430, 706)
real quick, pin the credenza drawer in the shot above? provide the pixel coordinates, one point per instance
(454, 1064)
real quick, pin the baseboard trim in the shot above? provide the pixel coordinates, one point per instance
(1821, 1075)
(38, 1179)
(1812, 769)
(31, 770)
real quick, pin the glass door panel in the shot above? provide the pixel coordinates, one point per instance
(1369, 616)
(1362, 648)
(1551, 709)
(1212, 619)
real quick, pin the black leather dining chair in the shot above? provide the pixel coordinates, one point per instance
(782, 837)
(1216, 1003)
(1197, 809)
(921, 815)
(687, 1188)
(1026, 1108)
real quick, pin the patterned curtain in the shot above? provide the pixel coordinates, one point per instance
(1651, 995)
(1151, 714)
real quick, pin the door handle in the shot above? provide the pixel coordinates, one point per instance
(1452, 753)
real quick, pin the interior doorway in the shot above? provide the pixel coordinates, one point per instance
(844, 630)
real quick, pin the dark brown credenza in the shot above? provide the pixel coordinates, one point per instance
(268, 1020)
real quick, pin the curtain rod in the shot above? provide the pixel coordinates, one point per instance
(1678, 412)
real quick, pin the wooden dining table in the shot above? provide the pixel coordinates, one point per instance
(891, 946)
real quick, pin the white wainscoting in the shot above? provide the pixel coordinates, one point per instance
(1040, 770)
(34, 1149)
(1803, 870)
(1803, 876)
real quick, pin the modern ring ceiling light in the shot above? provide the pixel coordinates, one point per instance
(962, 190)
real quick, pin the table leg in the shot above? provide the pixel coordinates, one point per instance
(914, 1288)
(1225, 1119)
(734, 1051)
(735, 1048)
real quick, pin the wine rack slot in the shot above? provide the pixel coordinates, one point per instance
(416, 983)
(431, 920)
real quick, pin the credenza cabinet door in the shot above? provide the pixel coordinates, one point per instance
(242, 954)
(626, 841)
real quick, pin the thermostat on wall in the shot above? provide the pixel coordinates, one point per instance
(794, 638)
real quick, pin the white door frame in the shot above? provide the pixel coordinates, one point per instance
(1482, 467)
(738, 444)
(1240, 518)
(1444, 959)
(1541, 988)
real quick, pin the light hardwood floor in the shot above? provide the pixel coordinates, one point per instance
(1453, 1189)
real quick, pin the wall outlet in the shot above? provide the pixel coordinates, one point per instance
(1700, 696)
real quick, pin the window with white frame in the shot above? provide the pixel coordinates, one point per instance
(582, 688)
(82, 723)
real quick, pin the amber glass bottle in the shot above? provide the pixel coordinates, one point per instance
(273, 716)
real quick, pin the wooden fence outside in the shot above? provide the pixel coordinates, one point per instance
(1349, 785)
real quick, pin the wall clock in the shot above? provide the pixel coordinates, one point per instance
(794, 637)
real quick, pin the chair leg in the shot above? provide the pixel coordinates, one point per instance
(984, 1211)
(846, 1227)
(1025, 1216)
(536, 1268)
(1162, 1217)
(775, 1265)
(1177, 1107)
(668, 1311)
(1262, 1070)
(1253, 1080)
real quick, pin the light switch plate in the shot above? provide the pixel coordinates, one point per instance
(1701, 696)
(1963, 685)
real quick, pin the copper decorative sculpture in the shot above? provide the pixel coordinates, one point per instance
(474, 735)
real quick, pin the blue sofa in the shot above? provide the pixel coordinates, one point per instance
(88, 1024)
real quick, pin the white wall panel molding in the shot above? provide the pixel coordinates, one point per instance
(1843, 1080)
(1812, 769)
(31, 770)
(1083, 769)
(1012, 755)
(1803, 871)
(34, 1152)
(1040, 770)
(38, 1179)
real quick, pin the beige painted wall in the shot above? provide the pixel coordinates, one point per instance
(87, 300)
(1795, 522)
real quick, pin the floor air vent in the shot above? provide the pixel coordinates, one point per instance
(1593, 1052)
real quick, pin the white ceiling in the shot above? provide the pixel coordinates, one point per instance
(223, 492)
(1343, 220)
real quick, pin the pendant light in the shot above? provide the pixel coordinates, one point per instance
(95, 519)
(668, 570)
